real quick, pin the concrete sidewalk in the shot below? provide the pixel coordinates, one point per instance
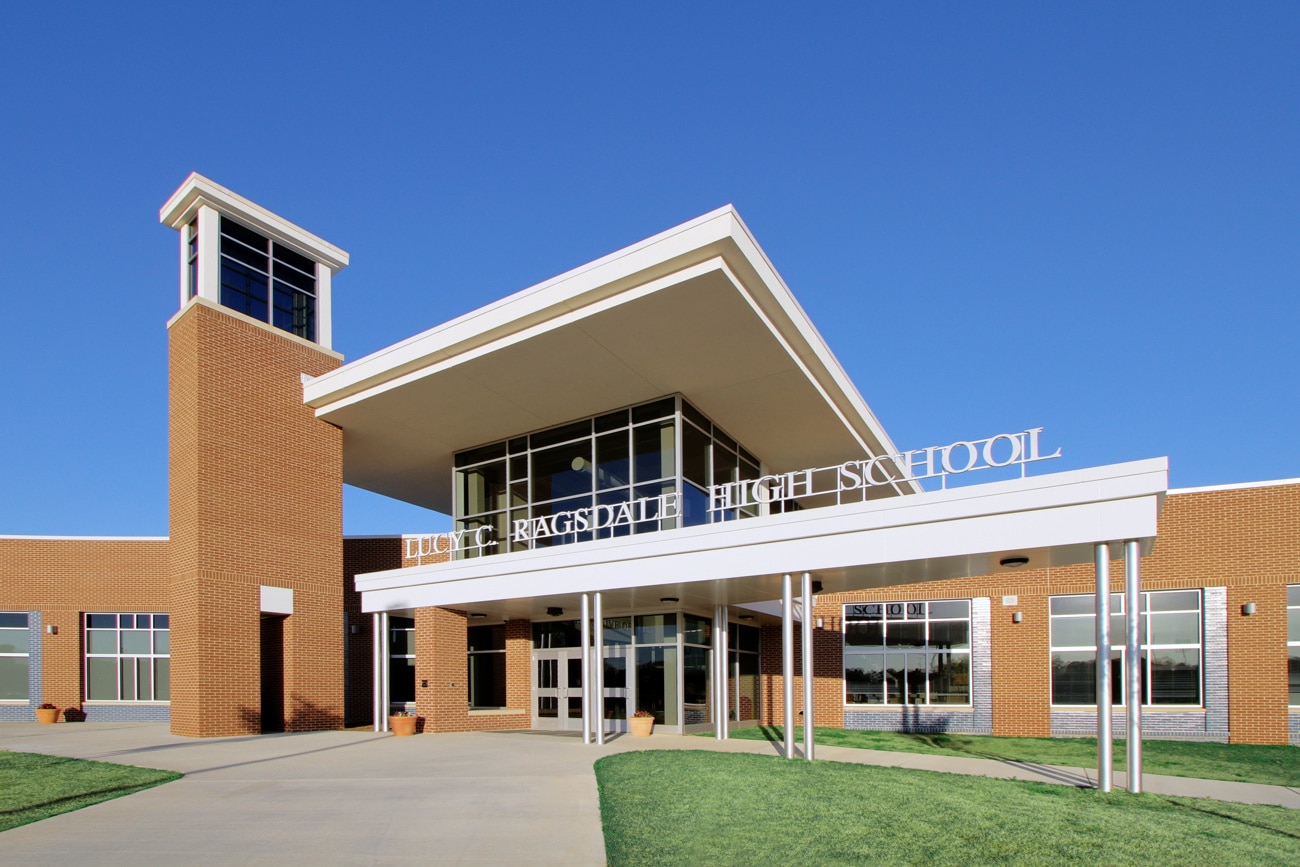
(359, 797)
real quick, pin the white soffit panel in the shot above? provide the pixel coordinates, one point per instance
(277, 600)
(697, 310)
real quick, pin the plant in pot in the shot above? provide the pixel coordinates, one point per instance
(641, 724)
(47, 713)
(402, 723)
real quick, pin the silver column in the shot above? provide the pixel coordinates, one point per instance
(718, 697)
(1105, 743)
(598, 663)
(377, 672)
(385, 674)
(806, 636)
(787, 660)
(723, 678)
(586, 668)
(1133, 665)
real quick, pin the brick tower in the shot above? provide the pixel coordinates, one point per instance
(255, 560)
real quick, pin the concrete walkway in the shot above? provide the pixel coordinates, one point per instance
(361, 798)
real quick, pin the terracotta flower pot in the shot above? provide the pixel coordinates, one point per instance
(641, 726)
(47, 715)
(402, 726)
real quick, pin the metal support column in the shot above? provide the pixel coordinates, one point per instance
(385, 673)
(598, 670)
(787, 661)
(1105, 742)
(376, 673)
(586, 668)
(806, 640)
(717, 697)
(724, 682)
(1133, 664)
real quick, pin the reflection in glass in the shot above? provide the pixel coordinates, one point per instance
(656, 683)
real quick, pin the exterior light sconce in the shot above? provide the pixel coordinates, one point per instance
(669, 599)
(820, 623)
(1248, 609)
(554, 612)
(52, 629)
(1013, 562)
(1018, 617)
(354, 629)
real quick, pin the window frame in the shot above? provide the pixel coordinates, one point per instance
(26, 655)
(1118, 646)
(153, 656)
(1293, 644)
(927, 650)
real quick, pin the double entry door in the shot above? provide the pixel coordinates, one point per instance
(557, 689)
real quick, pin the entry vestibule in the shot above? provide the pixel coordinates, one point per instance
(663, 663)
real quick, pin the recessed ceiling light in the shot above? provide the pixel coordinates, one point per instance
(669, 599)
(1013, 562)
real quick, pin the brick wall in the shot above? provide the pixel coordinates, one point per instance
(1246, 541)
(256, 499)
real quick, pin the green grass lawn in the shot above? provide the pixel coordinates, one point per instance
(34, 787)
(697, 807)
(1247, 763)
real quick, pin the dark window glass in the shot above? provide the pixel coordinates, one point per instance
(480, 454)
(401, 681)
(564, 633)
(611, 421)
(695, 455)
(949, 675)
(239, 253)
(950, 634)
(483, 489)
(613, 469)
(161, 621)
(657, 409)
(248, 236)
(652, 449)
(746, 638)
(695, 506)
(618, 630)
(905, 634)
(695, 416)
(697, 630)
(296, 279)
(296, 260)
(864, 633)
(486, 637)
(695, 675)
(864, 678)
(615, 672)
(519, 445)
(487, 680)
(1175, 676)
(562, 471)
(10, 620)
(725, 441)
(561, 434)
(101, 621)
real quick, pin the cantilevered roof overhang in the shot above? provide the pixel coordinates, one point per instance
(1054, 520)
(697, 310)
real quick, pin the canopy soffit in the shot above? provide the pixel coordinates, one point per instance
(696, 310)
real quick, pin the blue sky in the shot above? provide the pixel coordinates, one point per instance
(999, 215)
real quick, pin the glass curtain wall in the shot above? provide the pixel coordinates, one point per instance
(618, 457)
(401, 660)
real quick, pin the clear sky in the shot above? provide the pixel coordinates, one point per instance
(1080, 216)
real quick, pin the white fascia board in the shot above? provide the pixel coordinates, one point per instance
(1101, 504)
(196, 190)
(1236, 486)
(534, 306)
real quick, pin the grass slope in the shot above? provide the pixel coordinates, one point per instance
(1247, 763)
(34, 786)
(689, 807)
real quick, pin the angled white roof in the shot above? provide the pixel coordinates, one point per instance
(697, 310)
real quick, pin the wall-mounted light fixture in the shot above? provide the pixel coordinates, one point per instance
(1013, 562)
(52, 629)
(1248, 609)
(1018, 617)
(354, 629)
(819, 623)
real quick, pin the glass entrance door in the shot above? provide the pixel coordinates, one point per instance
(557, 689)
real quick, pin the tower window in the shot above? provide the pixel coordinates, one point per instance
(267, 281)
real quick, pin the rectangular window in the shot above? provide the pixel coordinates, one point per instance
(267, 281)
(1169, 634)
(128, 657)
(907, 653)
(574, 482)
(1293, 642)
(14, 660)
(487, 665)
(192, 259)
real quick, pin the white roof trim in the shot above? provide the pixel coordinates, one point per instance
(89, 538)
(197, 190)
(1237, 486)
